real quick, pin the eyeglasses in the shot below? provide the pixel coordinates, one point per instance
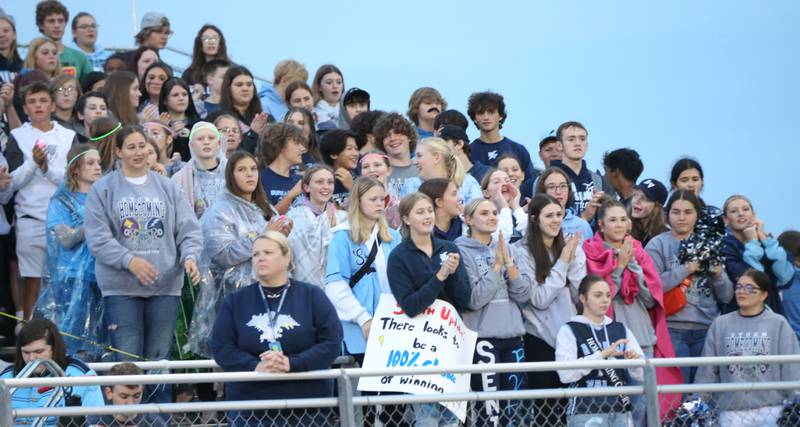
(750, 289)
(88, 27)
(65, 90)
(210, 39)
(556, 187)
(229, 130)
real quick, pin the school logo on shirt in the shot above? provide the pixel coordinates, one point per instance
(492, 154)
(261, 322)
(748, 344)
(141, 220)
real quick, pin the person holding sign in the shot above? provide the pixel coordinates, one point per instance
(497, 292)
(594, 336)
(553, 267)
(276, 325)
(422, 269)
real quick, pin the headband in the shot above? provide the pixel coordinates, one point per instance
(109, 133)
(81, 154)
(368, 155)
(159, 124)
(203, 125)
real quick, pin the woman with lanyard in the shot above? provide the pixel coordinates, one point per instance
(276, 325)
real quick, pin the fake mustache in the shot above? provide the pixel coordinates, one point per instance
(432, 109)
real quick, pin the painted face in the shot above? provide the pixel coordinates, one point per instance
(598, 299)
(205, 144)
(133, 154)
(91, 169)
(95, 107)
(396, 144)
(556, 187)
(575, 142)
(53, 26)
(178, 99)
(320, 187)
(488, 120)
(690, 180)
(421, 218)
(301, 98)
(154, 81)
(429, 109)
(371, 203)
(498, 181)
(331, 87)
(348, 158)
(484, 219)
(148, 58)
(134, 93)
(293, 151)
(682, 217)
(242, 90)
(67, 95)
(210, 41)
(511, 167)
(550, 218)
(640, 206)
(157, 133)
(85, 32)
(550, 151)
(615, 224)
(229, 129)
(268, 260)
(38, 106)
(46, 58)
(245, 174)
(739, 215)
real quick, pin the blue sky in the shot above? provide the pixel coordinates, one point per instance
(716, 80)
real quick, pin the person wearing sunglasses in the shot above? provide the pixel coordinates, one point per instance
(753, 330)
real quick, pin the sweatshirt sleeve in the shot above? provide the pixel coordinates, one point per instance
(788, 344)
(782, 268)
(328, 340)
(735, 264)
(483, 287)
(505, 224)
(753, 252)
(22, 171)
(543, 294)
(222, 243)
(519, 290)
(411, 300)
(670, 278)
(189, 237)
(723, 287)
(223, 342)
(709, 374)
(337, 286)
(567, 351)
(102, 243)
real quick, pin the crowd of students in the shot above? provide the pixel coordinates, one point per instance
(293, 208)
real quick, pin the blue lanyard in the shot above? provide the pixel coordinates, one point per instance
(270, 315)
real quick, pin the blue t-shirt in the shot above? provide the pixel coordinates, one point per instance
(277, 186)
(422, 133)
(488, 154)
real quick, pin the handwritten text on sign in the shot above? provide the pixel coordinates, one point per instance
(435, 337)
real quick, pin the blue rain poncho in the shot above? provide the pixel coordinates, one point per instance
(229, 228)
(69, 296)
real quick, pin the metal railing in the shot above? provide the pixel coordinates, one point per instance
(346, 403)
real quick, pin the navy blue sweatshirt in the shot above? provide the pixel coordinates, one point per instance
(452, 233)
(412, 277)
(483, 152)
(307, 328)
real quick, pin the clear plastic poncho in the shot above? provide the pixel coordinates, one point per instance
(229, 228)
(69, 295)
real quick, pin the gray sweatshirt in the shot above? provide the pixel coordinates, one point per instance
(152, 221)
(494, 302)
(552, 303)
(635, 316)
(701, 297)
(766, 334)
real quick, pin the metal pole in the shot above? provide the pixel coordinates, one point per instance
(345, 397)
(6, 417)
(651, 395)
(133, 17)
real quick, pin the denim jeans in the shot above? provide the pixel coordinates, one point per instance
(143, 327)
(688, 343)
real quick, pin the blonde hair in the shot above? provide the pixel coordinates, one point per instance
(407, 205)
(732, 199)
(290, 70)
(30, 59)
(471, 207)
(357, 232)
(438, 146)
(279, 239)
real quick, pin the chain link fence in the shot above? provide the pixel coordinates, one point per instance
(750, 403)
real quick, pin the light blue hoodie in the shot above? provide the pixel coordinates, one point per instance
(272, 103)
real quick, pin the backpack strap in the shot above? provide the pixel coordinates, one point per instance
(366, 268)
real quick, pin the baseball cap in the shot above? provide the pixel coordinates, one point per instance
(654, 190)
(453, 132)
(355, 93)
(154, 19)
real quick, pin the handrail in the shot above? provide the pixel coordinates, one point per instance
(165, 364)
(55, 396)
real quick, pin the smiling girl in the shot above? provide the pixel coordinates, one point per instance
(340, 152)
